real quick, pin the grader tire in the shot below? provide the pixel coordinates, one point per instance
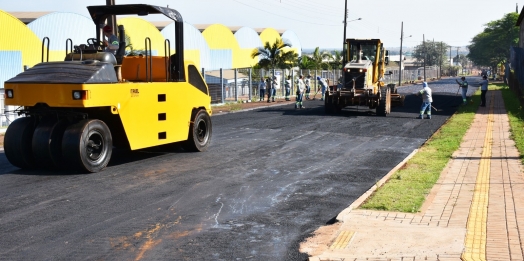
(384, 104)
(17, 142)
(329, 107)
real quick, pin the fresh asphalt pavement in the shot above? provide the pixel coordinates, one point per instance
(270, 178)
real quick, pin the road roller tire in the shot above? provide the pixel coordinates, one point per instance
(87, 145)
(199, 132)
(17, 142)
(47, 142)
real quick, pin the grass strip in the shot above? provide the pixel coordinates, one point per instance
(516, 118)
(407, 189)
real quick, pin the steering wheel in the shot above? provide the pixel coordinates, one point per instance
(96, 43)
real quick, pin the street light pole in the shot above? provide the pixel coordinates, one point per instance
(458, 57)
(440, 61)
(425, 55)
(450, 56)
(344, 42)
(400, 61)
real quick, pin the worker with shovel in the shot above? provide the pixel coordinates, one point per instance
(464, 86)
(324, 85)
(427, 99)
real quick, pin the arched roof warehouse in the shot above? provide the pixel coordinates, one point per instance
(248, 40)
(209, 46)
(72, 26)
(18, 46)
(196, 48)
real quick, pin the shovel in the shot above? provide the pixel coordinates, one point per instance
(431, 105)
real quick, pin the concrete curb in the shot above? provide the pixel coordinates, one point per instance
(367, 194)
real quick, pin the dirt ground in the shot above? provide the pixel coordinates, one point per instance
(1, 139)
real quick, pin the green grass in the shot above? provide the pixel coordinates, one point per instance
(235, 106)
(516, 118)
(230, 106)
(407, 189)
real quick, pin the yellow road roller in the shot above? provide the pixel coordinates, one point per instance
(74, 112)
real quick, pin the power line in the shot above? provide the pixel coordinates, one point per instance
(287, 6)
(302, 21)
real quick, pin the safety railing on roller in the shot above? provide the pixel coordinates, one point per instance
(69, 48)
(167, 56)
(43, 44)
(149, 60)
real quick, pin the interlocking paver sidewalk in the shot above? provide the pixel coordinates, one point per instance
(474, 212)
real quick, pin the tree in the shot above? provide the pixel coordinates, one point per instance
(335, 59)
(305, 62)
(272, 56)
(492, 46)
(434, 53)
(319, 59)
(287, 60)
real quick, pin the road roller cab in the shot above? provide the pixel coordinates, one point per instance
(75, 111)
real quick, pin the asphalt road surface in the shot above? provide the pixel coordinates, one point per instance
(270, 178)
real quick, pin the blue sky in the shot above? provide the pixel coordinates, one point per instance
(319, 23)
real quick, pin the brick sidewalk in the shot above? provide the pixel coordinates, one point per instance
(474, 212)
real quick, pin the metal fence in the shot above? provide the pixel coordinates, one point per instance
(410, 76)
(233, 85)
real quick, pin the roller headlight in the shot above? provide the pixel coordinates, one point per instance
(79, 95)
(9, 93)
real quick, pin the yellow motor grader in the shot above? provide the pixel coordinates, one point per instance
(75, 111)
(362, 81)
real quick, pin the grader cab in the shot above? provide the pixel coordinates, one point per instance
(78, 109)
(362, 81)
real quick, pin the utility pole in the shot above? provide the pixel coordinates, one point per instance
(400, 61)
(344, 52)
(425, 55)
(440, 60)
(450, 56)
(458, 58)
(344, 42)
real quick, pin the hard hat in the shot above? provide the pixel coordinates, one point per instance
(425, 84)
(108, 28)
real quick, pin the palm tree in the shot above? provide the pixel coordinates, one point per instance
(336, 59)
(271, 55)
(287, 60)
(319, 57)
(305, 62)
